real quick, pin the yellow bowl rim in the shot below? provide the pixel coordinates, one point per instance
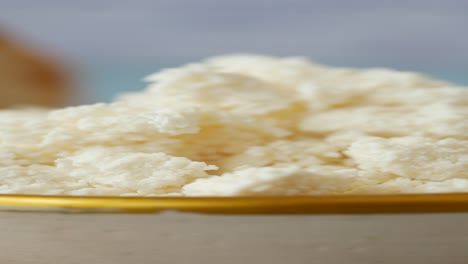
(336, 204)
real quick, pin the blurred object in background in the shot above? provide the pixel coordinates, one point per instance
(27, 78)
(116, 43)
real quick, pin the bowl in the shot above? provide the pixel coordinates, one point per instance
(426, 228)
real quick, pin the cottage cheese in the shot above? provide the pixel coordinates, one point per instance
(247, 125)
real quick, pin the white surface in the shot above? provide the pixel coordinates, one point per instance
(188, 238)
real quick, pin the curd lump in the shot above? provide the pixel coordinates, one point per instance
(247, 125)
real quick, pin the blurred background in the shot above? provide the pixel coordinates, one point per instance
(111, 45)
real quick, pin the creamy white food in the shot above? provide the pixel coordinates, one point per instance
(247, 125)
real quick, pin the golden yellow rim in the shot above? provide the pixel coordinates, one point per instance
(345, 204)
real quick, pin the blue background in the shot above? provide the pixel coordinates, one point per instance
(113, 44)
